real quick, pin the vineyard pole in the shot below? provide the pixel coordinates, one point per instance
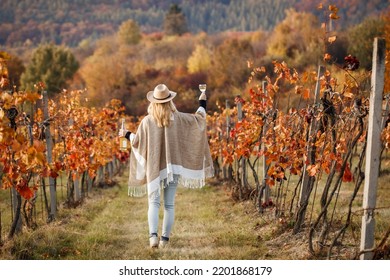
(308, 181)
(49, 147)
(265, 166)
(373, 149)
(16, 226)
(16, 202)
(227, 170)
(76, 184)
(242, 163)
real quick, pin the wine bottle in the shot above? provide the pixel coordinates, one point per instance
(124, 143)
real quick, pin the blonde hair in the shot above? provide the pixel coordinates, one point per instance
(161, 112)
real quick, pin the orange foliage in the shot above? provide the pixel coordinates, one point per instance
(283, 137)
(86, 138)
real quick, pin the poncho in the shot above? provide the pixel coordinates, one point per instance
(158, 153)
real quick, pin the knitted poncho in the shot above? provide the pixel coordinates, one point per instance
(157, 153)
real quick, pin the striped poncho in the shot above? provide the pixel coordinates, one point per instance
(158, 153)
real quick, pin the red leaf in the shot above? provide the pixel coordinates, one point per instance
(347, 176)
(25, 191)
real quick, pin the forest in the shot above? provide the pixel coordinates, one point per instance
(70, 22)
(128, 62)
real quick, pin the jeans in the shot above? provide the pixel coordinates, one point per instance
(169, 192)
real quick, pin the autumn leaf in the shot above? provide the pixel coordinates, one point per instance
(4, 82)
(40, 158)
(6, 99)
(334, 16)
(349, 95)
(39, 146)
(312, 169)
(327, 57)
(270, 182)
(306, 94)
(16, 146)
(33, 97)
(53, 174)
(25, 191)
(333, 8)
(347, 176)
(298, 89)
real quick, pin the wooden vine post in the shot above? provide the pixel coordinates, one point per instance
(49, 148)
(373, 149)
(242, 162)
(267, 191)
(308, 181)
(227, 170)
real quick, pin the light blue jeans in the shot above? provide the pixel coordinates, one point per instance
(169, 192)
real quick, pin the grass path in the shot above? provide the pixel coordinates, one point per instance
(112, 226)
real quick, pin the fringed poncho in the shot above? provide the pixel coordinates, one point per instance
(157, 153)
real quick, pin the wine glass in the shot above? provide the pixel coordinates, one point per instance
(202, 88)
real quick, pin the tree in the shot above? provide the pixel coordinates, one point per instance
(175, 21)
(15, 69)
(200, 60)
(106, 74)
(361, 39)
(229, 66)
(129, 33)
(53, 65)
(297, 40)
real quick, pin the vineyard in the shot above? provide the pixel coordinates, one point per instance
(306, 164)
(52, 153)
(302, 165)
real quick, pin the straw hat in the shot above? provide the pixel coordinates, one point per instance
(160, 94)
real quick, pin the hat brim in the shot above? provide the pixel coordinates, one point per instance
(151, 98)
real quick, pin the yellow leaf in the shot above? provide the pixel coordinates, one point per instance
(33, 97)
(40, 158)
(312, 169)
(348, 94)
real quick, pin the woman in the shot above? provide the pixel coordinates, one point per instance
(169, 148)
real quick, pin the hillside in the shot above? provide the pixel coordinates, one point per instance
(69, 22)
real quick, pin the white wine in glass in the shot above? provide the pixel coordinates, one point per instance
(202, 87)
